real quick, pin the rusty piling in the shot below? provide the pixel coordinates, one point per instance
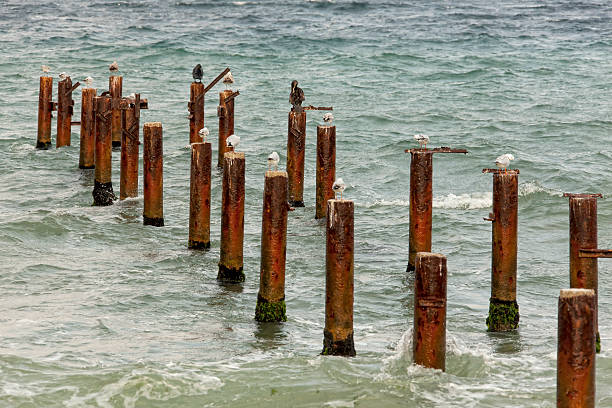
(271, 297)
(103, 194)
(88, 136)
(232, 218)
(225, 111)
(65, 107)
(339, 284)
(326, 168)
(296, 148)
(195, 106)
(115, 83)
(503, 308)
(130, 148)
(199, 202)
(583, 235)
(429, 331)
(153, 213)
(576, 349)
(45, 107)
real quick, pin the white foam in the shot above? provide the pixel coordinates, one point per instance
(468, 201)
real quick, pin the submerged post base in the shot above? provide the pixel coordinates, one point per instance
(267, 311)
(93, 166)
(296, 203)
(410, 268)
(344, 347)
(116, 144)
(103, 194)
(198, 245)
(597, 343)
(43, 145)
(155, 222)
(503, 315)
(231, 275)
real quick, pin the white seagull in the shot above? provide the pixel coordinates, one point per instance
(114, 67)
(273, 160)
(89, 81)
(422, 140)
(503, 161)
(339, 186)
(228, 80)
(203, 133)
(232, 141)
(45, 69)
(328, 118)
(62, 76)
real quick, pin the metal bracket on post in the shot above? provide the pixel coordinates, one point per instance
(230, 97)
(217, 79)
(595, 253)
(443, 149)
(310, 107)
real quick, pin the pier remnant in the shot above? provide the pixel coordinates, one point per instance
(296, 148)
(503, 308)
(339, 284)
(130, 145)
(195, 106)
(45, 107)
(225, 111)
(115, 84)
(103, 186)
(153, 213)
(576, 348)
(199, 201)
(326, 168)
(88, 135)
(232, 218)
(271, 297)
(65, 107)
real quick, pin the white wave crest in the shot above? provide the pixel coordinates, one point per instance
(533, 187)
(468, 201)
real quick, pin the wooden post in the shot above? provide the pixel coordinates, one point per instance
(583, 235)
(271, 298)
(429, 331)
(199, 202)
(45, 107)
(196, 111)
(421, 200)
(503, 308)
(115, 83)
(64, 112)
(225, 111)
(153, 213)
(232, 218)
(103, 186)
(326, 168)
(130, 150)
(296, 147)
(576, 349)
(338, 333)
(88, 135)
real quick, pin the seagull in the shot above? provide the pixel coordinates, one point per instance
(63, 76)
(232, 141)
(328, 118)
(88, 81)
(273, 160)
(339, 186)
(228, 80)
(422, 140)
(203, 133)
(45, 69)
(503, 161)
(197, 73)
(296, 97)
(132, 96)
(114, 67)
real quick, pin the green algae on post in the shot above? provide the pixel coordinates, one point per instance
(266, 311)
(503, 315)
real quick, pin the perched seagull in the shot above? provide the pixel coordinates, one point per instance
(232, 141)
(197, 73)
(45, 69)
(422, 140)
(203, 133)
(503, 161)
(62, 76)
(114, 67)
(273, 160)
(228, 80)
(296, 97)
(328, 118)
(89, 81)
(339, 186)
(132, 96)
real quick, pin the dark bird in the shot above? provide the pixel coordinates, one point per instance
(296, 97)
(197, 73)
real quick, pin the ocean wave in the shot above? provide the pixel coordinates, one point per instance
(533, 187)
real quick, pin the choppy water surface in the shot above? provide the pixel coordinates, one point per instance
(98, 310)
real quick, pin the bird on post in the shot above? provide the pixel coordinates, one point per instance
(62, 76)
(296, 97)
(328, 118)
(203, 133)
(422, 140)
(339, 187)
(197, 73)
(88, 81)
(273, 160)
(228, 80)
(503, 161)
(45, 69)
(114, 67)
(232, 141)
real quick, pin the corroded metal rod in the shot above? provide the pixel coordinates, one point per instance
(232, 218)
(153, 213)
(65, 105)
(576, 349)
(217, 79)
(503, 308)
(130, 141)
(88, 136)
(115, 84)
(595, 253)
(103, 194)
(296, 148)
(225, 111)
(429, 331)
(196, 111)
(45, 107)
(326, 168)
(310, 107)
(271, 297)
(199, 202)
(339, 284)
